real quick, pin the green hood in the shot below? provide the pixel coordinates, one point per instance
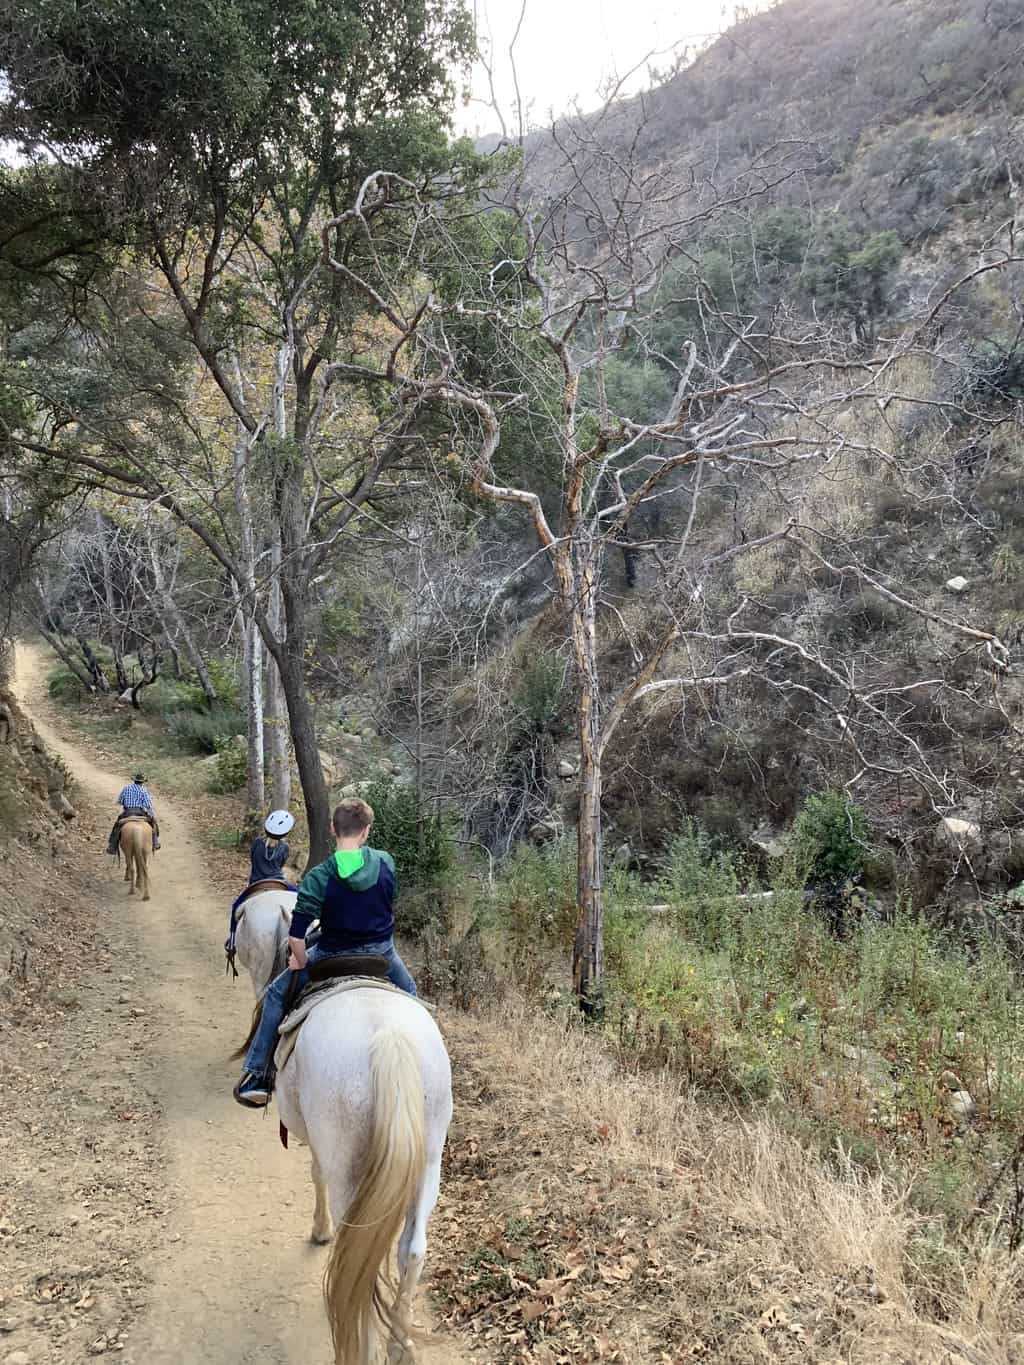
(363, 874)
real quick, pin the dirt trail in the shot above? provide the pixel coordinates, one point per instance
(234, 1278)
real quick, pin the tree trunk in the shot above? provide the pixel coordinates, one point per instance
(588, 948)
(67, 658)
(116, 633)
(252, 665)
(278, 739)
(291, 652)
(146, 680)
(177, 621)
(307, 753)
(93, 665)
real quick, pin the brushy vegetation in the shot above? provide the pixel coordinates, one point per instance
(419, 840)
(205, 732)
(232, 766)
(865, 1040)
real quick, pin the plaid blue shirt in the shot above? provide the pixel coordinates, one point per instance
(134, 797)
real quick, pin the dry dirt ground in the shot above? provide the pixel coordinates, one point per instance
(142, 1211)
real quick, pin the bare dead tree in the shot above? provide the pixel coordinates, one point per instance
(760, 419)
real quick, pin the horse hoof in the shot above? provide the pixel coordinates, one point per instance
(320, 1238)
(145, 898)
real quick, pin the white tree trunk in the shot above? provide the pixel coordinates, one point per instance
(278, 746)
(278, 730)
(245, 603)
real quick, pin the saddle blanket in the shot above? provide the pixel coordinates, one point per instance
(289, 1030)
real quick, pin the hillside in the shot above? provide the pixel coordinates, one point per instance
(887, 139)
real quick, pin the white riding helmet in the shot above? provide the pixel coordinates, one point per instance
(279, 822)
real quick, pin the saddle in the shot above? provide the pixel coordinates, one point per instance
(135, 817)
(268, 884)
(337, 983)
(346, 964)
(328, 970)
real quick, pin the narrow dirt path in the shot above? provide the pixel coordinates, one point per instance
(234, 1277)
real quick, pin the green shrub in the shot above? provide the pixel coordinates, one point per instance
(225, 684)
(534, 905)
(63, 685)
(201, 732)
(168, 695)
(539, 691)
(232, 768)
(420, 842)
(831, 837)
(698, 880)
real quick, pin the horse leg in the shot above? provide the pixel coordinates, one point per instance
(412, 1251)
(322, 1228)
(144, 873)
(129, 869)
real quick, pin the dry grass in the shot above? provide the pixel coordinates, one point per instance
(590, 1215)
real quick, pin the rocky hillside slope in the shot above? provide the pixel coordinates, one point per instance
(900, 125)
(35, 814)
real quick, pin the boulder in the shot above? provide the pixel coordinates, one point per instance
(768, 841)
(543, 831)
(334, 772)
(962, 1104)
(960, 833)
(957, 585)
(566, 769)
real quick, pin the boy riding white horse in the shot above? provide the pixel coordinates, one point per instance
(352, 894)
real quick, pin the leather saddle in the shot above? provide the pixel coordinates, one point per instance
(328, 969)
(134, 816)
(254, 888)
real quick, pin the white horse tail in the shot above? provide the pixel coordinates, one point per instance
(359, 1290)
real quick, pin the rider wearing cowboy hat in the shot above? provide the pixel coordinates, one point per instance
(134, 800)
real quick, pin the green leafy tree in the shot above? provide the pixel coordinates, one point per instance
(215, 144)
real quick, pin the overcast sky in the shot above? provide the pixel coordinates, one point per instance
(570, 49)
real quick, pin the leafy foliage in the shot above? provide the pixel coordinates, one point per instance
(203, 732)
(831, 837)
(420, 841)
(232, 768)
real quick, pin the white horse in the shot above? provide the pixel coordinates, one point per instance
(368, 1088)
(261, 936)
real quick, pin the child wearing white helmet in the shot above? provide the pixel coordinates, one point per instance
(269, 853)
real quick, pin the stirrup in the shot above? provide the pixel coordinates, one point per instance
(251, 1101)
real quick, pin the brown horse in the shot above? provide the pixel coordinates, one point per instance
(136, 843)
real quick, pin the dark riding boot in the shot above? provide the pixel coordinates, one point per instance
(112, 842)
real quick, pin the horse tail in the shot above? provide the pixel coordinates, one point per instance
(257, 1015)
(359, 1291)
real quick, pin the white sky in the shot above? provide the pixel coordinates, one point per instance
(569, 49)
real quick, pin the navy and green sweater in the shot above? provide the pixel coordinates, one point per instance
(353, 911)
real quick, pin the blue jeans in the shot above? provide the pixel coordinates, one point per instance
(261, 1053)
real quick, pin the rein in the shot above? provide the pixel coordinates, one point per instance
(230, 952)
